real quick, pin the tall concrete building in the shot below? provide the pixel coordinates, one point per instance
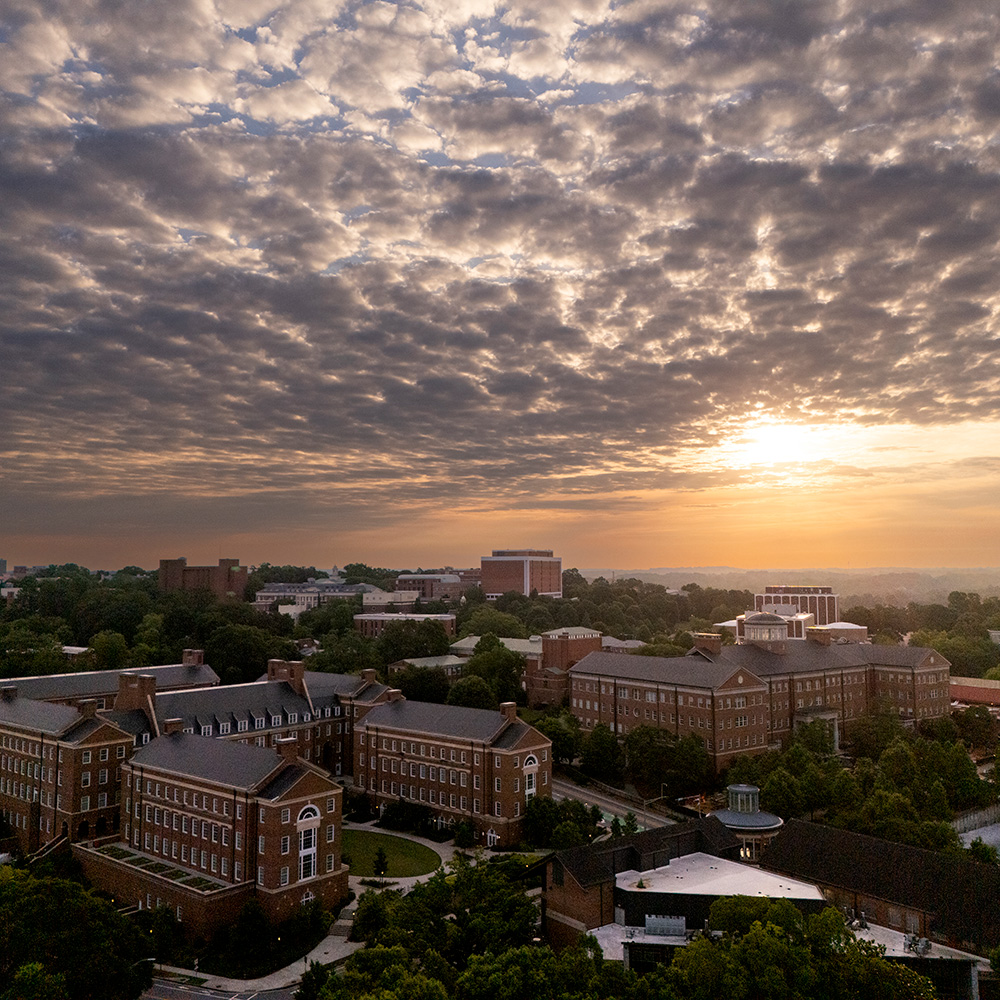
(789, 600)
(522, 570)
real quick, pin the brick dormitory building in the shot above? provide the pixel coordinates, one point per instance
(462, 763)
(198, 796)
(204, 759)
(747, 698)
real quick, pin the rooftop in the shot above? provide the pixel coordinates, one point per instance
(222, 762)
(705, 875)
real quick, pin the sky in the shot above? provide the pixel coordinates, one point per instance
(646, 283)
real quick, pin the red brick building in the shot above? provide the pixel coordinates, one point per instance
(462, 763)
(523, 571)
(227, 581)
(371, 626)
(320, 710)
(745, 699)
(206, 824)
(59, 770)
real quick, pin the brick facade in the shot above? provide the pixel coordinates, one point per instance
(745, 699)
(248, 822)
(461, 763)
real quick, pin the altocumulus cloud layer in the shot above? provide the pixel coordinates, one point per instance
(469, 253)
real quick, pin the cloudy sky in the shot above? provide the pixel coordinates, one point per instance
(647, 283)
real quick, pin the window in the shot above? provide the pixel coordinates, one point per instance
(286, 815)
(86, 759)
(331, 833)
(285, 844)
(85, 779)
(102, 776)
(104, 753)
(84, 803)
(283, 879)
(308, 824)
(331, 805)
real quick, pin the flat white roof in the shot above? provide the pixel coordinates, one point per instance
(707, 875)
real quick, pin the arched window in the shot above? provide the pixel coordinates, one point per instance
(307, 825)
(530, 772)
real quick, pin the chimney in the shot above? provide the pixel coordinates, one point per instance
(292, 671)
(88, 708)
(135, 692)
(821, 636)
(193, 657)
(173, 726)
(710, 642)
(8, 692)
(368, 675)
(394, 694)
(508, 709)
(288, 748)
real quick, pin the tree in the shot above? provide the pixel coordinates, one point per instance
(65, 931)
(428, 684)
(239, 653)
(472, 692)
(781, 794)
(109, 651)
(601, 755)
(485, 619)
(381, 864)
(564, 732)
(499, 666)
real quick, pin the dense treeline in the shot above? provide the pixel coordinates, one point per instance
(902, 784)
(469, 936)
(124, 620)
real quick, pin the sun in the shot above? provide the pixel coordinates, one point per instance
(780, 444)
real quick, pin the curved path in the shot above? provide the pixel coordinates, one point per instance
(334, 947)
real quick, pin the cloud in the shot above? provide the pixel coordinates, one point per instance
(463, 253)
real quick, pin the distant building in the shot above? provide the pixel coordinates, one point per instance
(227, 581)
(294, 598)
(744, 699)
(522, 571)
(432, 586)
(790, 600)
(371, 626)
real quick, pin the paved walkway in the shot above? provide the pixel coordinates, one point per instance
(334, 947)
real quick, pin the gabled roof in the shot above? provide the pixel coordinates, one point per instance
(680, 670)
(961, 894)
(230, 703)
(807, 657)
(222, 762)
(39, 716)
(429, 662)
(323, 685)
(94, 683)
(478, 724)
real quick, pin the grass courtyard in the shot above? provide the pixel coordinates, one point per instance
(405, 857)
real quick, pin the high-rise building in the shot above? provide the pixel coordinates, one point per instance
(789, 601)
(523, 571)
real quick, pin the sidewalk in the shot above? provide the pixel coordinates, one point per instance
(333, 948)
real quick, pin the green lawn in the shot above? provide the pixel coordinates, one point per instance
(405, 857)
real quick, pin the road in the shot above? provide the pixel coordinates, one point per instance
(166, 990)
(562, 789)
